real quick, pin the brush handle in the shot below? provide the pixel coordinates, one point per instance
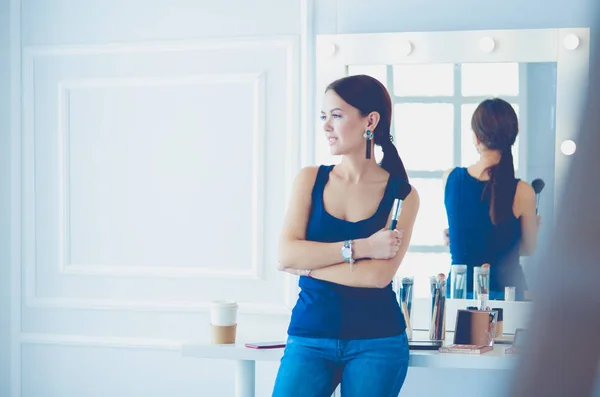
(395, 211)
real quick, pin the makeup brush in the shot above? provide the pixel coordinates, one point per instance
(538, 185)
(486, 277)
(396, 209)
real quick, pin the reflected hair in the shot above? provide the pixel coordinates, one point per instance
(496, 126)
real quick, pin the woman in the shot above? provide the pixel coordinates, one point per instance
(491, 215)
(347, 326)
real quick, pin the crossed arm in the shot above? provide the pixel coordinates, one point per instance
(296, 255)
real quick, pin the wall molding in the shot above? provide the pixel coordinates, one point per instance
(16, 192)
(289, 44)
(37, 302)
(100, 341)
(256, 270)
(161, 46)
(304, 138)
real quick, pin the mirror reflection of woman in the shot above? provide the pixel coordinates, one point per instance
(347, 326)
(491, 214)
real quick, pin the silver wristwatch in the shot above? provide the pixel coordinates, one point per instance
(347, 252)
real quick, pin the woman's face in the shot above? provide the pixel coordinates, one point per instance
(343, 125)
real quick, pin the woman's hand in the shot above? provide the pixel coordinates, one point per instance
(385, 243)
(447, 237)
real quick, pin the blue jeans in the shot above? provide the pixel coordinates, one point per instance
(312, 367)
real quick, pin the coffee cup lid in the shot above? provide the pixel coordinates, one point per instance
(224, 303)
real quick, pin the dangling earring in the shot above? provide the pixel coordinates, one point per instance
(368, 136)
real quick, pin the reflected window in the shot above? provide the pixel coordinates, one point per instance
(426, 80)
(424, 135)
(490, 79)
(432, 213)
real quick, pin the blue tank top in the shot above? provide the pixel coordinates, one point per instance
(474, 240)
(330, 310)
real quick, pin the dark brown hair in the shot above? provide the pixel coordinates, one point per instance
(496, 126)
(367, 94)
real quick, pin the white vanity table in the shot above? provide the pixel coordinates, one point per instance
(515, 315)
(246, 358)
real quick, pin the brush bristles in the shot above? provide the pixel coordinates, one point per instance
(538, 185)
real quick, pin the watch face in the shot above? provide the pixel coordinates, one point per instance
(346, 252)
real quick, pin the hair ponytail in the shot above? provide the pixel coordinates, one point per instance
(502, 176)
(496, 126)
(391, 161)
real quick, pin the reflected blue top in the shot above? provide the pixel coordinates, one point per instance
(474, 240)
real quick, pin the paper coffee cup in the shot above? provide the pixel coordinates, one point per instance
(223, 320)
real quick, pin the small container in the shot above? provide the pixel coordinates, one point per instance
(481, 281)
(405, 292)
(483, 302)
(437, 323)
(458, 282)
(405, 295)
(510, 293)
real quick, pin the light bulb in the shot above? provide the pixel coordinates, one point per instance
(568, 147)
(571, 41)
(487, 44)
(407, 48)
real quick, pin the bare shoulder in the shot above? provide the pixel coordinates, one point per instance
(412, 200)
(524, 191)
(305, 179)
(524, 199)
(307, 174)
(410, 206)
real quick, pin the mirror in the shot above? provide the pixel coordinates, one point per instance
(435, 87)
(433, 105)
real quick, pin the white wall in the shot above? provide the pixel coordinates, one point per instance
(356, 16)
(113, 328)
(156, 158)
(4, 199)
